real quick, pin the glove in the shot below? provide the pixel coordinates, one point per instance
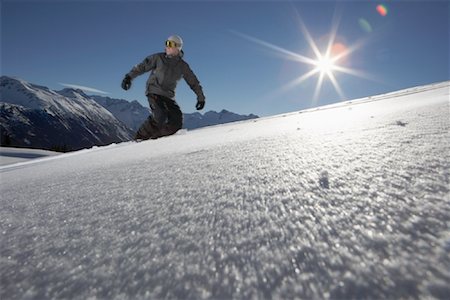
(200, 103)
(126, 82)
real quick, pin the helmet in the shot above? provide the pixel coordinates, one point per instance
(177, 40)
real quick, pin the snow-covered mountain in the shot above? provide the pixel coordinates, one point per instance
(197, 120)
(37, 117)
(348, 201)
(133, 114)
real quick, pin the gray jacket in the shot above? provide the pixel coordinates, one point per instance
(166, 71)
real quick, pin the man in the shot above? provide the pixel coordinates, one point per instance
(166, 70)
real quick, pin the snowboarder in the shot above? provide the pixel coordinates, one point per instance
(167, 68)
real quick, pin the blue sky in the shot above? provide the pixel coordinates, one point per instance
(243, 52)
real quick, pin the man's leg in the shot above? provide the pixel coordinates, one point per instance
(151, 128)
(148, 130)
(174, 118)
(159, 109)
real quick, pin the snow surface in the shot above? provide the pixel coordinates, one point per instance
(345, 201)
(10, 155)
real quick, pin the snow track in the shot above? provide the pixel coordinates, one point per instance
(345, 202)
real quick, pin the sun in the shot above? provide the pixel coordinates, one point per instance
(325, 65)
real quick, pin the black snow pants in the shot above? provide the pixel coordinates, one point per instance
(166, 118)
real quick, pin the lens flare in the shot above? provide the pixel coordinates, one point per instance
(382, 10)
(338, 50)
(365, 25)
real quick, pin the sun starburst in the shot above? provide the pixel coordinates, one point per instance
(326, 64)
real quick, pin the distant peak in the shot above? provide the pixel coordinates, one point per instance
(18, 83)
(70, 92)
(12, 80)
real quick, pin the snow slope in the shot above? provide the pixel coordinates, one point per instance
(10, 155)
(345, 201)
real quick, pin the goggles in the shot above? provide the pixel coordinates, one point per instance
(171, 44)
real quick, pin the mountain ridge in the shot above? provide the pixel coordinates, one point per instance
(133, 114)
(35, 116)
